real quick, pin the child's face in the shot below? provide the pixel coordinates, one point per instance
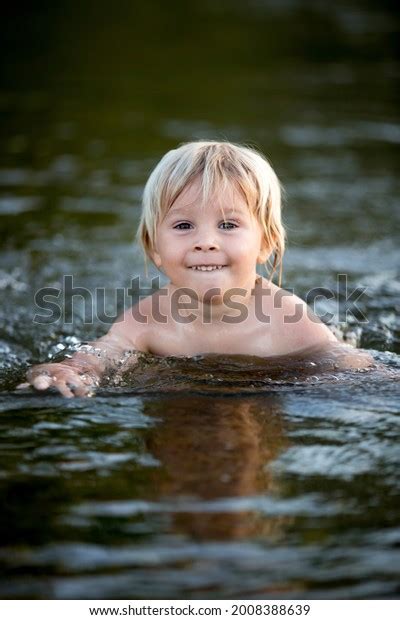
(222, 234)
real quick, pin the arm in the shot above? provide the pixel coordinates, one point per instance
(296, 327)
(309, 334)
(79, 374)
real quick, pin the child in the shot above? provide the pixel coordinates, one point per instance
(211, 212)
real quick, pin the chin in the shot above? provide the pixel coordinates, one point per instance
(212, 296)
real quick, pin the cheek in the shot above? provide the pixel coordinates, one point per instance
(166, 247)
(248, 248)
(172, 255)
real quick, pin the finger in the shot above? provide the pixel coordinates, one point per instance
(80, 390)
(42, 382)
(23, 386)
(37, 371)
(63, 388)
(76, 386)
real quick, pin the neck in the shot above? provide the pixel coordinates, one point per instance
(212, 309)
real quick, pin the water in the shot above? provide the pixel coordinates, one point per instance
(217, 476)
(288, 492)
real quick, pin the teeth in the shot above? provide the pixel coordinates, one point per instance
(206, 267)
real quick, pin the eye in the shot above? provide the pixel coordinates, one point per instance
(228, 225)
(182, 226)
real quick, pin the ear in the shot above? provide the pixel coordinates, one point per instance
(156, 258)
(265, 251)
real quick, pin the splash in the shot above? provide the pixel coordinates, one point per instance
(242, 374)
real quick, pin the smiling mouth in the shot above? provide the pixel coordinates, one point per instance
(207, 267)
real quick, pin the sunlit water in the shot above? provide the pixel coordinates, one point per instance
(212, 476)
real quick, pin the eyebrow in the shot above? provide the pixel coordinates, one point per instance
(187, 211)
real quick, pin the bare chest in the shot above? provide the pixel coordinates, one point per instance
(244, 338)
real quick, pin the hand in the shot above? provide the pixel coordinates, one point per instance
(67, 380)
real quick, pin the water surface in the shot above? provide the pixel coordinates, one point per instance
(207, 477)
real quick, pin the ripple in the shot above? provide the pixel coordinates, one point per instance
(312, 504)
(313, 135)
(14, 205)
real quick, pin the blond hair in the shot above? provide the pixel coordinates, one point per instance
(216, 164)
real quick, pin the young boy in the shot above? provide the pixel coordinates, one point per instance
(211, 212)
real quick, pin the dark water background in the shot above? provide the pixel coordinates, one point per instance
(229, 486)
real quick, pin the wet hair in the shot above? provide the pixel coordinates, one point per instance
(216, 165)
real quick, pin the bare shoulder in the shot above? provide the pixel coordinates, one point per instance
(133, 326)
(296, 326)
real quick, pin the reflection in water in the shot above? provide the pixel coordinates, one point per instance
(217, 449)
(185, 495)
(80, 514)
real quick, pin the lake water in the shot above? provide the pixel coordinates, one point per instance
(216, 476)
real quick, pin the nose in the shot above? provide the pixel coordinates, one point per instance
(206, 246)
(205, 240)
